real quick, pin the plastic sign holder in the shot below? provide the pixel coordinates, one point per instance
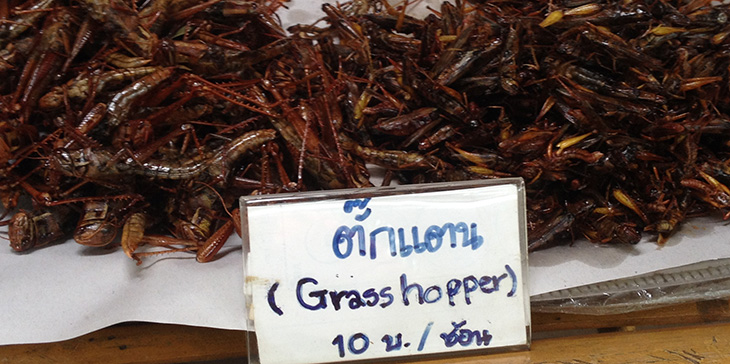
(386, 272)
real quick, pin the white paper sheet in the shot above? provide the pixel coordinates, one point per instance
(66, 290)
(698, 240)
(478, 280)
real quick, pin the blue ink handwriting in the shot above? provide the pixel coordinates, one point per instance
(465, 337)
(350, 205)
(429, 240)
(313, 297)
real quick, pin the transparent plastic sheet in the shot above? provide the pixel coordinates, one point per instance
(691, 283)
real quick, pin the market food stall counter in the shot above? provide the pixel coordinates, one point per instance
(687, 333)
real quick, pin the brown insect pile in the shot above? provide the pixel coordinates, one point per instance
(147, 119)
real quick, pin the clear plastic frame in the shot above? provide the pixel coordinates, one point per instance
(385, 272)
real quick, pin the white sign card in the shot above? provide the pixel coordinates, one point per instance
(387, 271)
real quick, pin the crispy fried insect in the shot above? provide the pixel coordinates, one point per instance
(616, 114)
(28, 230)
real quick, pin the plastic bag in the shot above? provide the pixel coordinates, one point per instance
(695, 282)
